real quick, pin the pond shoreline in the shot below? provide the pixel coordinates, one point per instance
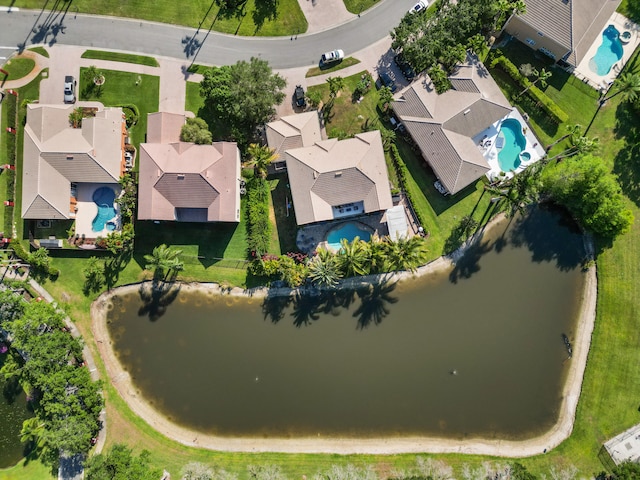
(348, 445)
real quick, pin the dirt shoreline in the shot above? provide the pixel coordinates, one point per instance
(389, 445)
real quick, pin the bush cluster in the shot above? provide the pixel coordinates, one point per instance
(258, 226)
(131, 113)
(34, 259)
(402, 173)
(543, 101)
(10, 103)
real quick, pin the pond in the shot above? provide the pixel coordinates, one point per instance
(13, 411)
(475, 351)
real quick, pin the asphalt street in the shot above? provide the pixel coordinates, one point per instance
(25, 28)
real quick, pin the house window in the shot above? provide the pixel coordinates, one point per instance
(180, 176)
(541, 34)
(530, 41)
(547, 52)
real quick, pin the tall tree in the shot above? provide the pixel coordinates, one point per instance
(541, 76)
(239, 98)
(627, 85)
(577, 145)
(572, 131)
(260, 157)
(352, 258)
(521, 190)
(164, 261)
(197, 131)
(119, 463)
(335, 85)
(406, 253)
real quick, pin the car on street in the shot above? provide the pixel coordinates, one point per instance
(387, 81)
(332, 56)
(418, 7)
(298, 97)
(69, 89)
(405, 68)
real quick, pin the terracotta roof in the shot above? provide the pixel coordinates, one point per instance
(332, 172)
(443, 125)
(55, 154)
(187, 182)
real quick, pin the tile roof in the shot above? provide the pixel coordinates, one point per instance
(293, 131)
(55, 155)
(448, 122)
(187, 182)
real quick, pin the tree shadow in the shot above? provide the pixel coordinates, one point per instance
(51, 25)
(626, 164)
(469, 263)
(156, 297)
(264, 10)
(374, 303)
(564, 247)
(274, 307)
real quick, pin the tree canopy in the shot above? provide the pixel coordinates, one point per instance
(591, 193)
(197, 131)
(238, 98)
(119, 462)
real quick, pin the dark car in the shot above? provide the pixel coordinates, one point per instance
(405, 68)
(298, 96)
(387, 81)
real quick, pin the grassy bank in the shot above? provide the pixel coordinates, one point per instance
(121, 57)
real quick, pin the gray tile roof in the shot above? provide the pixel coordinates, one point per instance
(444, 134)
(189, 190)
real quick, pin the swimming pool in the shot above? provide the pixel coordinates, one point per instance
(103, 198)
(349, 231)
(608, 53)
(513, 143)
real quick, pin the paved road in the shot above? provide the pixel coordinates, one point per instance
(29, 27)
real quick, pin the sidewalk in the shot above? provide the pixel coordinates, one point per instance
(324, 14)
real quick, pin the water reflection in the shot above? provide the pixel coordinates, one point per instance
(156, 297)
(374, 301)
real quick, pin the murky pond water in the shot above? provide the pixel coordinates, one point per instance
(13, 411)
(474, 351)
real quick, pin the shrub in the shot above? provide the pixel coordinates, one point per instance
(131, 113)
(258, 226)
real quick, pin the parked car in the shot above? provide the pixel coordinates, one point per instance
(420, 6)
(405, 68)
(69, 89)
(332, 56)
(299, 97)
(387, 81)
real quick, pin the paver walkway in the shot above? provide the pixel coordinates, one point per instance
(324, 14)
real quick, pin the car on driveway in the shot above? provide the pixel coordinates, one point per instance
(387, 81)
(69, 89)
(298, 97)
(405, 68)
(332, 56)
(420, 6)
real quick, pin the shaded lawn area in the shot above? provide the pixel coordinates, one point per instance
(18, 68)
(121, 57)
(39, 50)
(630, 9)
(122, 88)
(285, 227)
(254, 17)
(193, 101)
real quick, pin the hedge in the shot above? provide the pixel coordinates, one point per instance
(131, 112)
(258, 225)
(25, 256)
(548, 105)
(402, 173)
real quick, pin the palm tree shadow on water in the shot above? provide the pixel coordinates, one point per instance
(469, 262)
(156, 297)
(374, 303)
(551, 235)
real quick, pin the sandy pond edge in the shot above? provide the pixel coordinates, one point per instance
(384, 445)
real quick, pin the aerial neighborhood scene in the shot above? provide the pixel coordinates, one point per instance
(320, 239)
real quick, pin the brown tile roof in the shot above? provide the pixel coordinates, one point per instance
(332, 172)
(444, 133)
(55, 155)
(187, 182)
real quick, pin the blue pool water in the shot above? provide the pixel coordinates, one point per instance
(349, 231)
(104, 197)
(608, 53)
(514, 144)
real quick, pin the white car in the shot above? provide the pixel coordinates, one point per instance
(418, 7)
(332, 56)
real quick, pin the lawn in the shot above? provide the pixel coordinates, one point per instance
(121, 57)
(344, 63)
(40, 51)
(122, 88)
(193, 101)
(18, 67)
(359, 6)
(254, 17)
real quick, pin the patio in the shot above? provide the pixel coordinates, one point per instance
(87, 210)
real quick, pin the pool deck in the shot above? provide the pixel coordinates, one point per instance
(87, 209)
(602, 82)
(490, 151)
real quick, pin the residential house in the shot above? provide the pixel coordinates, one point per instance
(443, 125)
(185, 182)
(293, 131)
(562, 29)
(63, 166)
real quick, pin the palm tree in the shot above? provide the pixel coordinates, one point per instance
(628, 85)
(578, 145)
(376, 251)
(519, 191)
(323, 269)
(260, 157)
(352, 258)
(572, 131)
(388, 137)
(335, 85)
(541, 76)
(33, 434)
(406, 253)
(163, 259)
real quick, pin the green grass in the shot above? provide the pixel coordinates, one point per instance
(630, 9)
(254, 17)
(125, 88)
(193, 101)
(40, 50)
(358, 6)
(33, 470)
(346, 62)
(121, 57)
(18, 67)
(197, 68)
(285, 219)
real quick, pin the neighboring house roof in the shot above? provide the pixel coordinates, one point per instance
(336, 172)
(164, 127)
(55, 154)
(443, 125)
(294, 131)
(184, 181)
(573, 24)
